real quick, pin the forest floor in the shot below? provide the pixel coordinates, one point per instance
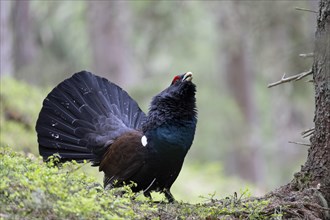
(32, 189)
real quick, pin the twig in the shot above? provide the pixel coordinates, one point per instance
(307, 132)
(306, 55)
(305, 9)
(291, 78)
(302, 75)
(283, 80)
(299, 143)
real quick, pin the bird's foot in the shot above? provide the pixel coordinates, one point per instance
(169, 196)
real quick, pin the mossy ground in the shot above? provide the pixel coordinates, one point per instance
(32, 189)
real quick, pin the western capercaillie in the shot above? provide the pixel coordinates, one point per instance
(86, 117)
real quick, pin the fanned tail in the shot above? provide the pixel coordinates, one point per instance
(83, 115)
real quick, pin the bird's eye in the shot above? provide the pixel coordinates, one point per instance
(175, 79)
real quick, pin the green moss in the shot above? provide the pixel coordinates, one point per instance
(32, 189)
(301, 180)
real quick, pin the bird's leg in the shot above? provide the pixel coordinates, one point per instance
(169, 195)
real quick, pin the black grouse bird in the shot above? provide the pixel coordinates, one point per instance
(86, 117)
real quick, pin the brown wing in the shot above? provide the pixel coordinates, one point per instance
(124, 158)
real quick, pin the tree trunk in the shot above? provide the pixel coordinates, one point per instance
(6, 45)
(316, 171)
(245, 158)
(25, 47)
(248, 159)
(109, 28)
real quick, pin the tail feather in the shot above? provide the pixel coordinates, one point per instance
(83, 115)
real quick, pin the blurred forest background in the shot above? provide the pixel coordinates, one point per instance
(234, 49)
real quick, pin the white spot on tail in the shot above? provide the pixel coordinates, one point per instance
(144, 141)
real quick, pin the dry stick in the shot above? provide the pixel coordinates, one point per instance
(306, 55)
(307, 132)
(291, 78)
(305, 9)
(300, 143)
(302, 75)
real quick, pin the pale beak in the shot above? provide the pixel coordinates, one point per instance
(187, 76)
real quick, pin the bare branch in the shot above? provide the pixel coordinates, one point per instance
(307, 132)
(283, 80)
(304, 74)
(305, 9)
(306, 55)
(307, 135)
(300, 143)
(291, 78)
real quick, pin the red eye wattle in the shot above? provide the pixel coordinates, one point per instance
(176, 78)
